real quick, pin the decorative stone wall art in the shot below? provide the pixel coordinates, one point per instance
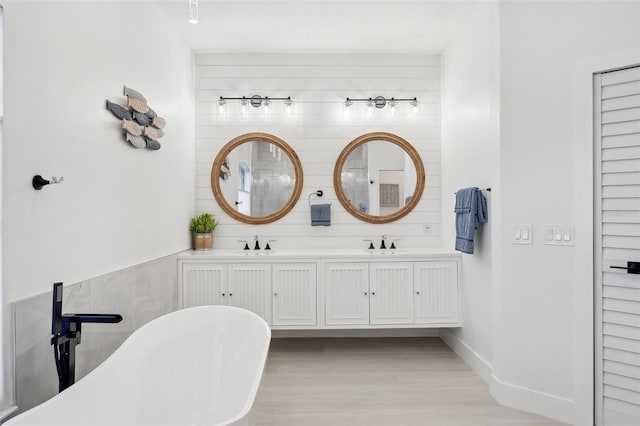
(141, 125)
(225, 170)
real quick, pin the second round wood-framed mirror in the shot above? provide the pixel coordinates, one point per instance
(256, 178)
(379, 177)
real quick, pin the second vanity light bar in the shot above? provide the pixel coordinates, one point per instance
(256, 101)
(381, 101)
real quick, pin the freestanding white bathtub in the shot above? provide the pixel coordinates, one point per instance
(197, 366)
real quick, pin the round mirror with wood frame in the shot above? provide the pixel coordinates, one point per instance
(266, 171)
(389, 199)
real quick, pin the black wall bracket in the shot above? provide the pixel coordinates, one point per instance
(66, 330)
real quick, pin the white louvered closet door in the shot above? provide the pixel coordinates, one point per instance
(617, 242)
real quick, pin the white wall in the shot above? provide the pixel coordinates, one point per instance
(470, 152)
(543, 331)
(318, 128)
(118, 206)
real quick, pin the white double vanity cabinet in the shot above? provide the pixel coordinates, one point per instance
(316, 289)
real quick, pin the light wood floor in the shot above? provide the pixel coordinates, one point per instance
(375, 382)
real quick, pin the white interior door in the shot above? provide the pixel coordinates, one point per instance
(617, 246)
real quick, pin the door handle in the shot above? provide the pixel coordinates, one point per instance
(632, 267)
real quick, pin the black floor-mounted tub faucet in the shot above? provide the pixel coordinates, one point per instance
(66, 330)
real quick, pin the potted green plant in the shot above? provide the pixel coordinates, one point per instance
(202, 227)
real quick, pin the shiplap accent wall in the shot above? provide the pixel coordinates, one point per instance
(318, 126)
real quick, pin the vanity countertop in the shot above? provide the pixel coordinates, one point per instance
(364, 254)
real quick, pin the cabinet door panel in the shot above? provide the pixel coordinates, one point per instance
(250, 288)
(391, 285)
(203, 285)
(294, 294)
(436, 292)
(346, 293)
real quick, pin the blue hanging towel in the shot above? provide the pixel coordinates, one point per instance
(321, 215)
(471, 210)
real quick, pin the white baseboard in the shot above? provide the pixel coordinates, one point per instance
(510, 395)
(478, 364)
(533, 401)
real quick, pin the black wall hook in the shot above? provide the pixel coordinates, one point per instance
(38, 181)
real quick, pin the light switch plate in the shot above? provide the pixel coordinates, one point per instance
(559, 235)
(522, 234)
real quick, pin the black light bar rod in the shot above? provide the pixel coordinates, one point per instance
(386, 99)
(288, 98)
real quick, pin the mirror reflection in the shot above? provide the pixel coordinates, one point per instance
(256, 178)
(379, 177)
(260, 180)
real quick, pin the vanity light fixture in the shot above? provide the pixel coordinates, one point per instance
(193, 11)
(381, 102)
(256, 101)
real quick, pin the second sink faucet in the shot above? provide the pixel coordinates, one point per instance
(382, 244)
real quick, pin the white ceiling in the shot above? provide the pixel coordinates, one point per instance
(321, 25)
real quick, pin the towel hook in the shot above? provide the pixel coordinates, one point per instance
(318, 193)
(38, 181)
